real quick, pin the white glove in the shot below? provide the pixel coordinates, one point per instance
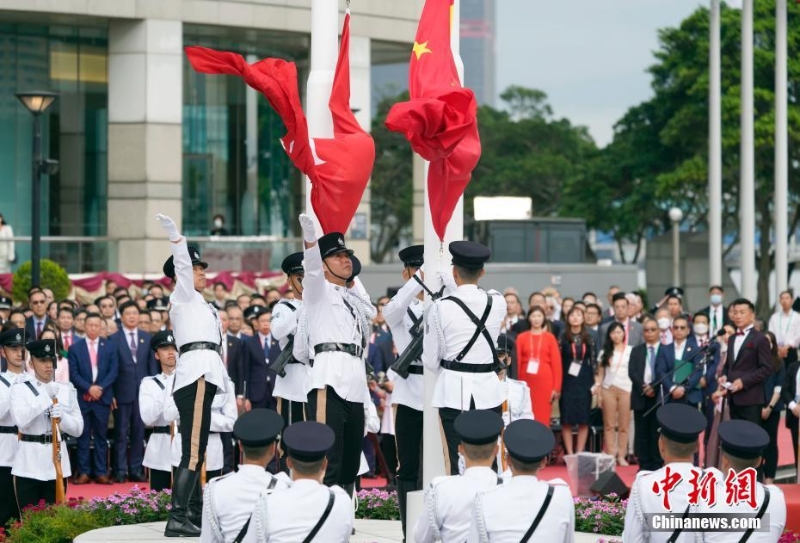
(52, 389)
(169, 227)
(56, 411)
(307, 225)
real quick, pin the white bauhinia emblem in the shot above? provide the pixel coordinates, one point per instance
(19, 337)
(47, 348)
(169, 338)
(341, 242)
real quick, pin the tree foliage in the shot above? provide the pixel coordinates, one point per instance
(51, 275)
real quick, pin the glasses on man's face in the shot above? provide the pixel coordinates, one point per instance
(680, 327)
(651, 329)
(37, 302)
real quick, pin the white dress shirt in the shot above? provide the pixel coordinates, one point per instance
(786, 327)
(228, 501)
(154, 394)
(293, 387)
(29, 413)
(739, 340)
(776, 513)
(289, 516)
(504, 514)
(447, 331)
(406, 391)
(330, 320)
(194, 319)
(9, 443)
(449, 505)
(616, 374)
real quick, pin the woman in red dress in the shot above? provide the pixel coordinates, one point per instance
(539, 365)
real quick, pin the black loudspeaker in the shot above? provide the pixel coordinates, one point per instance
(609, 482)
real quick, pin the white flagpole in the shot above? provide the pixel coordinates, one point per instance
(715, 151)
(747, 205)
(781, 152)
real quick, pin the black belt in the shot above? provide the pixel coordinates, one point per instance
(161, 430)
(200, 346)
(349, 348)
(467, 368)
(416, 370)
(44, 439)
(8, 429)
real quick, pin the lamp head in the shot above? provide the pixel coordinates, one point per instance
(37, 101)
(675, 214)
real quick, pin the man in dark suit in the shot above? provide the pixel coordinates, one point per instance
(680, 383)
(93, 370)
(633, 330)
(260, 350)
(790, 395)
(748, 365)
(642, 373)
(136, 362)
(717, 313)
(232, 358)
(36, 322)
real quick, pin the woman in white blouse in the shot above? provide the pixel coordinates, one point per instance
(615, 387)
(7, 254)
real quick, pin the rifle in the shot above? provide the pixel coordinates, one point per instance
(286, 357)
(414, 350)
(60, 492)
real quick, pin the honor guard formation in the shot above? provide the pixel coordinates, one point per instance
(256, 409)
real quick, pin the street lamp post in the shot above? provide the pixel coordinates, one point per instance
(676, 216)
(37, 102)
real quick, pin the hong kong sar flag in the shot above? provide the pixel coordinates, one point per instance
(338, 167)
(440, 119)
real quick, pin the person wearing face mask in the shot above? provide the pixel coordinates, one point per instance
(664, 324)
(218, 226)
(717, 313)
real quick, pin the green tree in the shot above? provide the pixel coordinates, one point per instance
(51, 275)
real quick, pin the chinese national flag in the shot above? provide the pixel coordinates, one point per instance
(338, 167)
(440, 119)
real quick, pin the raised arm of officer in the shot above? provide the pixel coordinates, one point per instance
(184, 274)
(314, 280)
(395, 310)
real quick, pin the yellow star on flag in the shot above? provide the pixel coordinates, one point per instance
(420, 49)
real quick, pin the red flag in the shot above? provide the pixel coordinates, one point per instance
(440, 119)
(340, 176)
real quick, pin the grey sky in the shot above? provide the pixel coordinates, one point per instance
(589, 56)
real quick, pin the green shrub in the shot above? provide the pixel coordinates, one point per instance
(51, 276)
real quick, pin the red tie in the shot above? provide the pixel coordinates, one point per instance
(67, 341)
(38, 329)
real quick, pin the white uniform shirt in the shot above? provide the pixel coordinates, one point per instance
(447, 331)
(228, 501)
(505, 513)
(29, 412)
(776, 512)
(8, 442)
(223, 417)
(407, 391)
(329, 320)
(449, 504)
(152, 400)
(289, 516)
(643, 500)
(193, 320)
(284, 322)
(786, 328)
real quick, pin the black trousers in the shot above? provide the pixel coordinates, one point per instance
(408, 435)
(346, 419)
(746, 412)
(230, 452)
(31, 491)
(160, 480)
(770, 465)
(291, 412)
(645, 442)
(791, 422)
(447, 417)
(8, 504)
(194, 407)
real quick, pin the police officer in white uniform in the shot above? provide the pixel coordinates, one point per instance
(460, 345)
(12, 342)
(449, 500)
(525, 508)
(680, 427)
(403, 313)
(198, 377)
(338, 325)
(32, 410)
(290, 389)
(154, 394)
(307, 511)
(743, 445)
(517, 404)
(229, 500)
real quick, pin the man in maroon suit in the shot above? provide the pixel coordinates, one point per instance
(748, 365)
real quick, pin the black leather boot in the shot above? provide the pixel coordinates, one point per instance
(403, 488)
(183, 487)
(195, 513)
